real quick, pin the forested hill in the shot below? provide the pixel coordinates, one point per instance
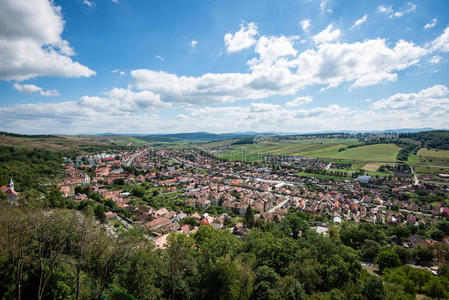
(28, 167)
(438, 139)
(35, 136)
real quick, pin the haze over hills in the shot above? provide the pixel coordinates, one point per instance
(207, 136)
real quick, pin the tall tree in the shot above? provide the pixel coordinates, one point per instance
(16, 235)
(51, 234)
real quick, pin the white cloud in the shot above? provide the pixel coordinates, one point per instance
(435, 59)
(115, 1)
(298, 101)
(427, 102)
(327, 35)
(160, 58)
(118, 71)
(324, 8)
(360, 21)
(242, 39)
(305, 24)
(388, 10)
(441, 42)
(278, 69)
(271, 48)
(31, 88)
(31, 43)
(27, 88)
(120, 109)
(431, 24)
(89, 3)
(366, 63)
(385, 9)
(50, 93)
(193, 43)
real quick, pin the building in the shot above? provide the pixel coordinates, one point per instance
(363, 179)
(11, 194)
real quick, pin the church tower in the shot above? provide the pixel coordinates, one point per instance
(11, 184)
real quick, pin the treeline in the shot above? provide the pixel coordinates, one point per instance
(406, 150)
(28, 168)
(60, 254)
(244, 141)
(438, 139)
(36, 136)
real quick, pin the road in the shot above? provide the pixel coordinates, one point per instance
(406, 210)
(130, 160)
(414, 175)
(279, 205)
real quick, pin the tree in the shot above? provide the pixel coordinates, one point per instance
(423, 255)
(180, 267)
(387, 259)
(99, 213)
(437, 235)
(51, 234)
(443, 225)
(142, 273)
(437, 287)
(296, 224)
(249, 217)
(369, 250)
(54, 199)
(81, 229)
(138, 191)
(373, 289)
(118, 181)
(290, 288)
(16, 235)
(105, 256)
(214, 243)
(403, 253)
(265, 285)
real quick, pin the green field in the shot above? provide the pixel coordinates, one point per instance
(319, 148)
(433, 153)
(378, 152)
(433, 157)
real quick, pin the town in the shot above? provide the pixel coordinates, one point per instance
(162, 189)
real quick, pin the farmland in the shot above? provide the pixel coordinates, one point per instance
(328, 149)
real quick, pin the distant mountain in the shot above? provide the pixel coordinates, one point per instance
(204, 136)
(207, 136)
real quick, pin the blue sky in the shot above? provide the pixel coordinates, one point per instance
(130, 66)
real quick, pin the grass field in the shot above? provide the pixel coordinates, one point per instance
(433, 157)
(371, 167)
(378, 152)
(433, 153)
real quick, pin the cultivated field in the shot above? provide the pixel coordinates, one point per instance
(378, 153)
(433, 157)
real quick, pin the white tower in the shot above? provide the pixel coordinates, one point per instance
(11, 184)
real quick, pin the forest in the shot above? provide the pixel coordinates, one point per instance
(67, 254)
(29, 168)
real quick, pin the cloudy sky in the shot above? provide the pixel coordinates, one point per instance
(140, 66)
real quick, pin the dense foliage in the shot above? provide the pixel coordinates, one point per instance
(60, 254)
(28, 167)
(438, 139)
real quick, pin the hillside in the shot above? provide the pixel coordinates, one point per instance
(438, 139)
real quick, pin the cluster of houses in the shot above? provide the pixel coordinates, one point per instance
(204, 181)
